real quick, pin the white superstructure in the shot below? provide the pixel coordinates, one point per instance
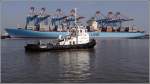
(76, 36)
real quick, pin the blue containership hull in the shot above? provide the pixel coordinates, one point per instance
(22, 33)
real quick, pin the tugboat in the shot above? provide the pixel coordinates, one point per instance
(78, 38)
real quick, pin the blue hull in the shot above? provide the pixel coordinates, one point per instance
(22, 33)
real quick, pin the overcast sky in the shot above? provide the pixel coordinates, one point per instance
(15, 12)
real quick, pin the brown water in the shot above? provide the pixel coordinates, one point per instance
(111, 61)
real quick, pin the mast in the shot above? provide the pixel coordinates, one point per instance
(77, 27)
(75, 15)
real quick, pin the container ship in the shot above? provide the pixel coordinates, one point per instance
(42, 25)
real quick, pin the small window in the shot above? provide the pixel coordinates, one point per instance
(73, 42)
(70, 42)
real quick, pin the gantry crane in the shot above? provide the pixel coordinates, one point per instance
(111, 19)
